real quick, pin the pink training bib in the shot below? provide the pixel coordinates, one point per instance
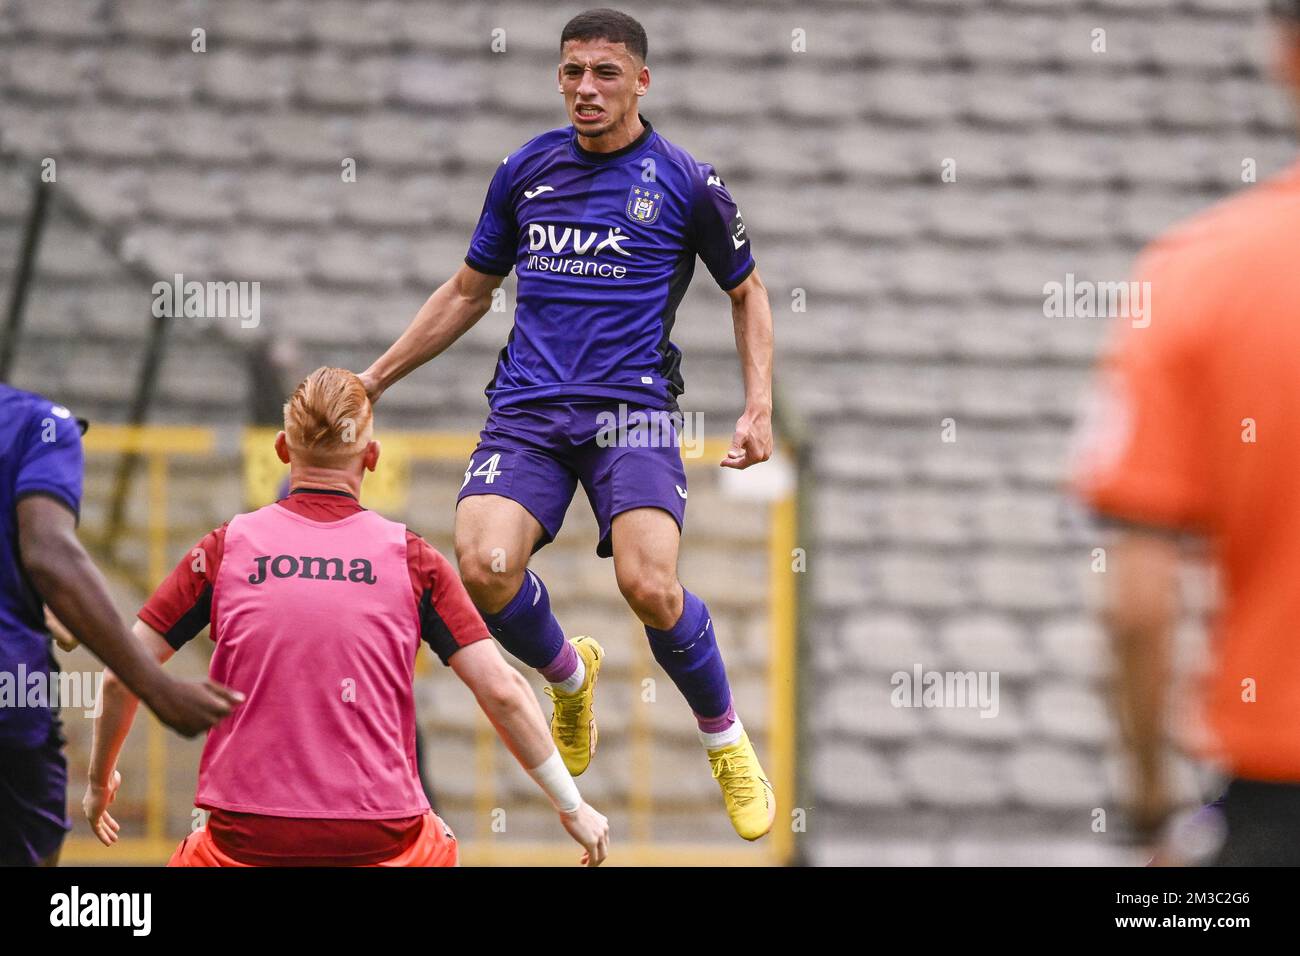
(317, 625)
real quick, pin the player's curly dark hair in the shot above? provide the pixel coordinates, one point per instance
(606, 24)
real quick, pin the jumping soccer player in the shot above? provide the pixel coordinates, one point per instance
(602, 220)
(1199, 431)
(40, 497)
(317, 608)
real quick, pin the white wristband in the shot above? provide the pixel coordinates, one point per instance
(553, 777)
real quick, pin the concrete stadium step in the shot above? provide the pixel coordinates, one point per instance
(857, 708)
(1070, 712)
(182, 196)
(200, 135)
(882, 642)
(855, 776)
(1002, 720)
(920, 517)
(913, 95)
(144, 76)
(62, 18)
(986, 641)
(388, 137)
(1053, 776)
(49, 73)
(957, 776)
(57, 310)
(110, 193)
(1016, 583)
(73, 252)
(1074, 645)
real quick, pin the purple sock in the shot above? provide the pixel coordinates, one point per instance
(689, 653)
(527, 628)
(716, 725)
(562, 668)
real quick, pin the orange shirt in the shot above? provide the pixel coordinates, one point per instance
(1198, 426)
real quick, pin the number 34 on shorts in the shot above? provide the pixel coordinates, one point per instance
(488, 470)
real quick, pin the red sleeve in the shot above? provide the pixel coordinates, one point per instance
(448, 618)
(1141, 451)
(182, 605)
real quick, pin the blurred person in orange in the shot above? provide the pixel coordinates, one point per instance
(1197, 430)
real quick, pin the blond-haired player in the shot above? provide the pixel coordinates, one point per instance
(317, 607)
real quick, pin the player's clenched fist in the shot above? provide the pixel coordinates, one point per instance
(371, 383)
(191, 707)
(591, 829)
(752, 441)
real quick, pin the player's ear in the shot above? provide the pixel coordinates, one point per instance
(559, 77)
(643, 80)
(371, 457)
(282, 447)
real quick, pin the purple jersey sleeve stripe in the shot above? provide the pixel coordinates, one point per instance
(486, 269)
(744, 274)
(61, 495)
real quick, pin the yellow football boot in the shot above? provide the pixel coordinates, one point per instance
(750, 799)
(573, 724)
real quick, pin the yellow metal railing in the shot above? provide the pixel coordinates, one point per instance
(263, 474)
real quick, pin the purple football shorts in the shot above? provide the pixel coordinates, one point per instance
(625, 455)
(33, 800)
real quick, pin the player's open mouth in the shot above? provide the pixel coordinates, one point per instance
(589, 112)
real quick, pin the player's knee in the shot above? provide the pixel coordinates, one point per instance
(655, 598)
(490, 583)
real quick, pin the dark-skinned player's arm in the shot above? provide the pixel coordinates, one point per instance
(751, 315)
(111, 727)
(1140, 614)
(445, 316)
(71, 585)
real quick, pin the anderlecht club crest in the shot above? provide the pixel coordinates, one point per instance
(643, 204)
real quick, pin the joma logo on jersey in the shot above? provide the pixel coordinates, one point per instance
(316, 569)
(643, 204)
(570, 239)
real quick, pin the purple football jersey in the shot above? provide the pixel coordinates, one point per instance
(604, 246)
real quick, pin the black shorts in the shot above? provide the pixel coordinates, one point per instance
(33, 800)
(1263, 824)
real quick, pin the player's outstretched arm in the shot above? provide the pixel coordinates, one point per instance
(509, 704)
(110, 730)
(751, 314)
(445, 316)
(72, 586)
